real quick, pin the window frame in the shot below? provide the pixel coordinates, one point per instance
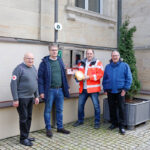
(87, 6)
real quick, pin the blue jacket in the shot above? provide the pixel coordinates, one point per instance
(44, 77)
(117, 77)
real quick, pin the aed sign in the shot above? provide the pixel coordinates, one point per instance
(58, 26)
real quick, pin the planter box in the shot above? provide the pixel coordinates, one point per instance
(135, 113)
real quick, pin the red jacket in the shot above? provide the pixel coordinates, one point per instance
(95, 72)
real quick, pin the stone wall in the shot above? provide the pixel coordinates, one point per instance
(34, 19)
(138, 12)
(86, 27)
(143, 66)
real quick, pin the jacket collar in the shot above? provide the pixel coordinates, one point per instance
(85, 59)
(115, 64)
(46, 58)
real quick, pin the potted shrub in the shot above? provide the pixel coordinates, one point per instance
(137, 110)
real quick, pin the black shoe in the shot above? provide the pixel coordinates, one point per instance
(63, 131)
(112, 127)
(31, 138)
(77, 124)
(26, 142)
(96, 126)
(49, 133)
(122, 131)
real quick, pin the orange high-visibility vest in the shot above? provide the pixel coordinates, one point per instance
(95, 72)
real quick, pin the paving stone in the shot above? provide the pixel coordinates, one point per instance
(85, 137)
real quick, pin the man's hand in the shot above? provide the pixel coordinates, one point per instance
(86, 77)
(42, 96)
(123, 93)
(36, 100)
(16, 103)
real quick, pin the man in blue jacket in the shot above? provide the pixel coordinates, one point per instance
(116, 81)
(53, 87)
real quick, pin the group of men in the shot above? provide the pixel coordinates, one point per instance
(50, 84)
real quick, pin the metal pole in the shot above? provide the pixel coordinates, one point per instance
(119, 20)
(56, 20)
(55, 40)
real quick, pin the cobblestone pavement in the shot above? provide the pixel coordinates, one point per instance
(85, 137)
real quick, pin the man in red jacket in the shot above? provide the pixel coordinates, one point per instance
(89, 86)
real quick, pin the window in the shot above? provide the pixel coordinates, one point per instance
(80, 3)
(92, 5)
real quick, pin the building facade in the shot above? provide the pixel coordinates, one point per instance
(28, 26)
(138, 13)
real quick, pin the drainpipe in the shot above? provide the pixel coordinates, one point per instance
(119, 20)
(56, 20)
(55, 41)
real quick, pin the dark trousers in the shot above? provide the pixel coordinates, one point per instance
(116, 108)
(25, 116)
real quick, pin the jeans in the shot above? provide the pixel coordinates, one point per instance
(117, 102)
(57, 96)
(25, 116)
(82, 100)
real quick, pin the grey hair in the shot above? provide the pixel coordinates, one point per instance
(115, 51)
(52, 45)
(91, 50)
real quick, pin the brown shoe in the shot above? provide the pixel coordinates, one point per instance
(49, 133)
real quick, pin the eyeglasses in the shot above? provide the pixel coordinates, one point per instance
(54, 50)
(29, 58)
(115, 55)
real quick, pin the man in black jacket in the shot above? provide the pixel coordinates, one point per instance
(53, 87)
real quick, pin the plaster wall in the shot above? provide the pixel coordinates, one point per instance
(138, 12)
(143, 66)
(34, 19)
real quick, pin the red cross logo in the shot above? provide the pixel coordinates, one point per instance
(14, 77)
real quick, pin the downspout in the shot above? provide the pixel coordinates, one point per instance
(56, 20)
(55, 41)
(119, 21)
